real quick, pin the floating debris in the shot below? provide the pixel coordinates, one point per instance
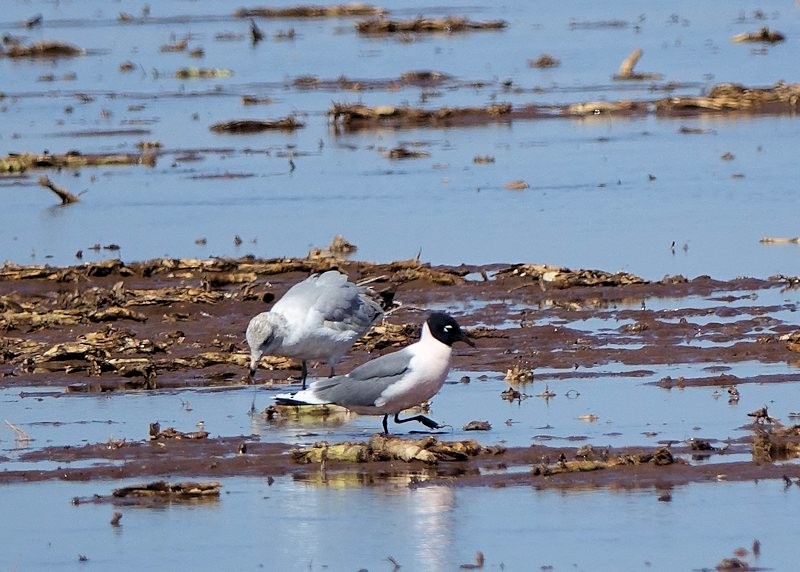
(357, 115)
(482, 159)
(478, 426)
(245, 126)
(518, 185)
(781, 97)
(186, 489)
(405, 153)
(157, 434)
(544, 61)
(21, 162)
(339, 247)
(480, 560)
(764, 35)
(178, 46)
(605, 107)
(47, 49)
(336, 11)
(780, 240)
(626, 69)
(519, 374)
(380, 26)
(63, 194)
(202, 73)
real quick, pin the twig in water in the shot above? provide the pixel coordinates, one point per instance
(63, 194)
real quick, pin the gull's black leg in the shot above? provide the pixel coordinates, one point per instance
(429, 423)
(385, 426)
(305, 373)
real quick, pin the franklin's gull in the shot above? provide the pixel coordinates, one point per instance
(392, 382)
(319, 318)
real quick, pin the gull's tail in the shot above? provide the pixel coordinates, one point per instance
(303, 397)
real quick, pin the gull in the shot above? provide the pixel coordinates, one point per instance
(392, 382)
(319, 319)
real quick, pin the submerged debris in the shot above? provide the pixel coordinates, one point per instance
(448, 25)
(387, 448)
(255, 126)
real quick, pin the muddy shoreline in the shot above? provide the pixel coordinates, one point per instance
(166, 325)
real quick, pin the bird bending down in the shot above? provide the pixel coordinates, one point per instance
(392, 382)
(317, 319)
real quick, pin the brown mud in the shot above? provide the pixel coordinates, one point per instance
(170, 324)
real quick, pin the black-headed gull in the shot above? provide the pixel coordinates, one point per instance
(317, 319)
(392, 382)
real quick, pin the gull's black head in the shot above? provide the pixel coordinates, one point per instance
(445, 329)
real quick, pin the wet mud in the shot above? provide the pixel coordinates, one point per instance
(164, 325)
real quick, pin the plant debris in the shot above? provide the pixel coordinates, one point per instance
(63, 194)
(559, 277)
(626, 69)
(335, 11)
(202, 73)
(21, 162)
(46, 50)
(775, 442)
(544, 61)
(356, 115)
(387, 448)
(380, 26)
(781, 97)
(764, 35)
(186, 489)
(245, 126)
(157, 434)
(660, 457)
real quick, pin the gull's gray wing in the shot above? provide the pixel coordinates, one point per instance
(332, 301)
(365, 384)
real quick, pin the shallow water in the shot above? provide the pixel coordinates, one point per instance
(630, 410)
(590, 203)
(308, 525)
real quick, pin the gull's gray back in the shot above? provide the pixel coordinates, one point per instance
(365, 384)
(332, 301)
